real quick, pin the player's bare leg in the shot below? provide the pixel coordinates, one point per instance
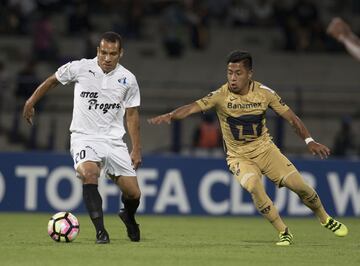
(131, 199)
(90, 172)
(310, 198)
(266, 207)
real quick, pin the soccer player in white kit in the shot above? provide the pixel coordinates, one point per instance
(104, 93)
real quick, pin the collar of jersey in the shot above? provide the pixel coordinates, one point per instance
(102, 72)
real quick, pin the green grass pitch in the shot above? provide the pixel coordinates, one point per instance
(178, 240)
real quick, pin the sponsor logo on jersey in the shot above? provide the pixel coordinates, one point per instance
(105, 107)
(92, 72)
(233, 98)
(94, 104)
(88, 94)
(231, 105)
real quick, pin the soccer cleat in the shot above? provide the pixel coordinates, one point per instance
(338, 228)
(286, 238)
(102, 237)
(132, 227)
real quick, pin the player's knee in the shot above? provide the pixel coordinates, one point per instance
(133, 193)
(90, 176)
(304, 191)
(297, 184)
(253, 185)
(136, 194)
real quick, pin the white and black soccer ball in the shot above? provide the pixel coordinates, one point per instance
(63, 227)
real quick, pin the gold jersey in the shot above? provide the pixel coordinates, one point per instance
(242, 118)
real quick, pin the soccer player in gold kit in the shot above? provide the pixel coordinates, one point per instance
(240, 105)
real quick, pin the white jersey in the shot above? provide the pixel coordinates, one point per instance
(100, 99)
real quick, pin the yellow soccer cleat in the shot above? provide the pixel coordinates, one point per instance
(286, 238)
(338, 228)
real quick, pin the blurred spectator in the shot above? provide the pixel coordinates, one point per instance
(134, 18)
(300, 22)
(172, 27)
(10, 20)
(308, 28)
(4, 90)
(23, 11)
(207, 135)
(286, 22)
(342, 32)
(197, 18)
(44, 46)
(344, 142)
(241, 13)
(263, 12)
(27, 81)
(78, 18)
(219, 10)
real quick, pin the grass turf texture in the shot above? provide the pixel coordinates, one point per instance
(174, 240)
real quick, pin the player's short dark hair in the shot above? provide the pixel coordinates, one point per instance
(111, 36)
(238, 56)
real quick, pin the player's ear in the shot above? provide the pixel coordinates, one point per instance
(121, 52)
(250, 74)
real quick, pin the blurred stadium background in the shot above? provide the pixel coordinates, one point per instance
(177, 51)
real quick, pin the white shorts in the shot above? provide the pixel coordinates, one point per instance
(114, 159)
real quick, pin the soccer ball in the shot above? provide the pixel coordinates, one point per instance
(63, 227)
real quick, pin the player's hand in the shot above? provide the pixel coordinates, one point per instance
(318, 149)
(338, 28)
(135, 156)
(28, 112)
(165, 118)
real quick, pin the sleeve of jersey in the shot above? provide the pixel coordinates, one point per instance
(68, 72)
(209, 100)
(277, 104)
(132, 98)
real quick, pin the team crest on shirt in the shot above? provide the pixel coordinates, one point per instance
(122, 80)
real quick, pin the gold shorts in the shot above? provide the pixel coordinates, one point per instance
(271, 163)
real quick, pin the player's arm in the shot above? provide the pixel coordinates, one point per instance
(41, 90)
(133, 126)
(177, 114)
(342, 32)
(314, 147)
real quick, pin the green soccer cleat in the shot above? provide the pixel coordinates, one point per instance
(286, 238)
(338, 228)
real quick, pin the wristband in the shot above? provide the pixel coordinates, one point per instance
(308, 140)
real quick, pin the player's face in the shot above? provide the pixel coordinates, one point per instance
(238, 77)
(108, 54)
